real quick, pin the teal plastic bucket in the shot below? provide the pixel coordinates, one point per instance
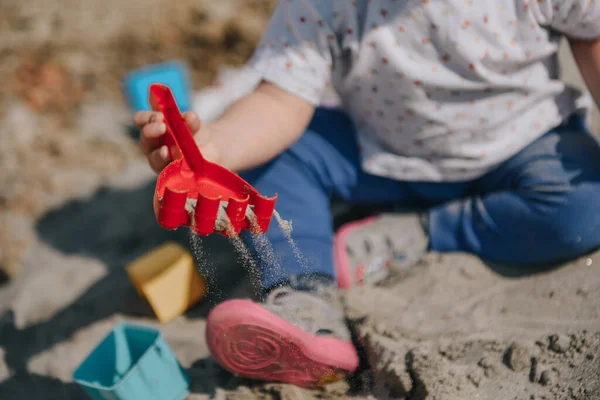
(132, 362)
(174, 74)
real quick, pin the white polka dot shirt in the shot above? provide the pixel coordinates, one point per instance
(439, 90)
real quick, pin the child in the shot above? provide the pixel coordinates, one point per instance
(455, 104)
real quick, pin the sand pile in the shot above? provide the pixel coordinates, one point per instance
(455, 328)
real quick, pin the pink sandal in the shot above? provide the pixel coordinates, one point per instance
(295, 337)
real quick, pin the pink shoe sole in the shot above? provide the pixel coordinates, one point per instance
(343, 270)
(250, 341)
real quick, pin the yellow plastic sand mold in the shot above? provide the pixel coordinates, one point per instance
(168, 279)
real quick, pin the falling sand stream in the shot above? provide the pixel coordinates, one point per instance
(286, 228)
(262, 247)
(205, 267)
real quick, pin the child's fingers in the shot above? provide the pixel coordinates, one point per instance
(159, 158)
(154, 129)
(142, 118)
(150, 136)
(193, 121)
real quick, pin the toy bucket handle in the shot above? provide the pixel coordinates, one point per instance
(161, 99)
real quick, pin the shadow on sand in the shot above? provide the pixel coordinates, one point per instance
(115, 227)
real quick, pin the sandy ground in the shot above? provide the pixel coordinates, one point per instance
(76, 207)
(454, 328)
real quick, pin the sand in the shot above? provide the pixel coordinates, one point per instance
(287, 228)
(76, 206)
(455, 328)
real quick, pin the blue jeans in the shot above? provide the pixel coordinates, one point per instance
(540, 206)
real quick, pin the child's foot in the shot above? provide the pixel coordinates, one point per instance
(366, 250)
(296, 337)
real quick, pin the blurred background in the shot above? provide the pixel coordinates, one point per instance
(75, 204)
(75, 191)
(61, 65)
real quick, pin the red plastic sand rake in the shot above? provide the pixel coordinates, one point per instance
(196, 193)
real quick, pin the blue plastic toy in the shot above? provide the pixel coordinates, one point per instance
(171, 73)
(132, 362)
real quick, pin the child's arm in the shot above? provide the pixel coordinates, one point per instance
(579, 21)
(587, 56)
(294, 60)
(257, 128)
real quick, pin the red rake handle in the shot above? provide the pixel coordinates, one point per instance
(162, 100)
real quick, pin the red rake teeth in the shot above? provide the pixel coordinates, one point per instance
(230, 218)
(204, 215)
(227, 226)
(173, 209)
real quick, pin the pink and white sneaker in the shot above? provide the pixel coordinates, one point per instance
(295, 337)
(365, 251)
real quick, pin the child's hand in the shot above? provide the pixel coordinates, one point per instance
(251, 132)
(152, 127)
